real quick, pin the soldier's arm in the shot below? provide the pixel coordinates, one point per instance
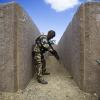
(54, 52)
(49, 47)
(46, 45)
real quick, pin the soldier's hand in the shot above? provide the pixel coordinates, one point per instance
(57, 57)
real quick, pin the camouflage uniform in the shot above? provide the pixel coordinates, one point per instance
(41, 46)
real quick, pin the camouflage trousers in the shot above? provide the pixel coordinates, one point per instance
(39, 64)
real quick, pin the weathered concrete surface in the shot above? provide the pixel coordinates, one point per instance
(60, 87)
(17, 33)
(79, 47)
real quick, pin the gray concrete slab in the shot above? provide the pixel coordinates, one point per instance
(17, 35)
(79, 47)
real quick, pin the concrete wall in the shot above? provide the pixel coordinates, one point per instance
(79, 47)
(92, 48)
(17, 34)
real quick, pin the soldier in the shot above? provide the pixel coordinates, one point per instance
(42, 44)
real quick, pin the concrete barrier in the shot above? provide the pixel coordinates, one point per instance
(17, 34)
(79, 47)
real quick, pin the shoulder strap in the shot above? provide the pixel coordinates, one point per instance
(38, 39)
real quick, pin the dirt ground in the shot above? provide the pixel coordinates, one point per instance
(60, 87)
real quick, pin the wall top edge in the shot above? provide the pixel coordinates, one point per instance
(8, 3)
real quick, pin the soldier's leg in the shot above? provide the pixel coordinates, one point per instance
(44, 72)
(38, 63)
(43, 65)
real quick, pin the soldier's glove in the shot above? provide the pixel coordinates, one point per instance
(55, 54)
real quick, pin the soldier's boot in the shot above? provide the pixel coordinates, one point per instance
(45, 73)
(41, 80)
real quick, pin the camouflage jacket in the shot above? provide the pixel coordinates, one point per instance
(42, 44)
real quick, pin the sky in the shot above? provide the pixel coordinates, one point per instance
(50, 14)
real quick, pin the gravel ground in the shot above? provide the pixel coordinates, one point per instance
(60, 87)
